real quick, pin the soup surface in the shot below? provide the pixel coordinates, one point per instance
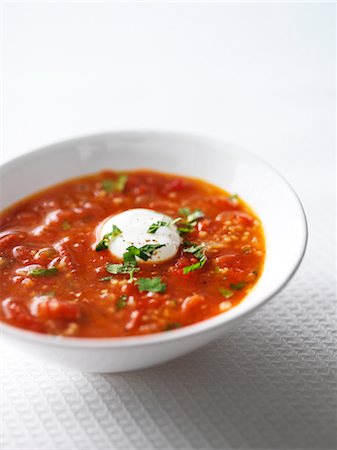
(121, 254)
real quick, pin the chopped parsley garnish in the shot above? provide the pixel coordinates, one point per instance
(129, 260)
(184, 211)
(238, 286)
(104, 243)
(116, 269)
(199, 252)
(154, 227)
(117, 185)
(227, 293)
(66, 225)
(108, 185)
(151, 285)
(191, 219)
(234, 197)
(43, 272)
(172, 326)
(121, 183)
(143, 253)
(121, 302)
(106, 278)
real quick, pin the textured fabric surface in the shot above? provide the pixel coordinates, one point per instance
(269, 384)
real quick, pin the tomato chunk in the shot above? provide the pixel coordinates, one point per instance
(46, 307)
(10, 239)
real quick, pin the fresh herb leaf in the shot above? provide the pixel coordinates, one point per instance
(184, 211)
(151, 285)
(154, 227)
(43, 272)
(129, 258)
(196, 250)
(238, 286)
(185, 228)
(121, 268)
(149, 249)
(108, 185)
(191, 219)
(115, 185)
(106, 278)
(143, 253)
(115, 268)
(199, 252)
(172, 326)
(255, 272)
(195, 266)
(104, 243)
(121, 302)
(234, 197)
(66, 225)
(227, 293)
(121, 183)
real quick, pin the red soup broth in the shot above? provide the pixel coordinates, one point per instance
(54, 281)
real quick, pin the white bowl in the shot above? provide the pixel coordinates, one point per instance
(236, 171)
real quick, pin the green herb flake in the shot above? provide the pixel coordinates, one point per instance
(191, 219)
(155, 226)
(151, 285)
(184, 211)
(195, 266)
(106, 278)
(227, 293)
(121, 183)
(66, 225)
(104, 243)
(143, 253)
(121, 302)
(116, 269)
(129, 265)
(234, 197)
(199, 252)
(43, 272)
(185, 228)
(196, 250)
(172, 326)
(117, 185)
(108, 185)
(238, 286)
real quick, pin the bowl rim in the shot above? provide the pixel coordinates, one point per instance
(198, 328)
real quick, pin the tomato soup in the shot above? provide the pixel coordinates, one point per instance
(121, 254)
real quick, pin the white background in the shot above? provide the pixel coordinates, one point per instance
(258, 75)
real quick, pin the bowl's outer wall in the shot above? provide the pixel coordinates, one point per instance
(236, 171)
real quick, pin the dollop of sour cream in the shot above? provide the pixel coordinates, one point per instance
(134, 225)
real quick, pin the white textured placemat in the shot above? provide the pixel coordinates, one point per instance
(268, 385)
